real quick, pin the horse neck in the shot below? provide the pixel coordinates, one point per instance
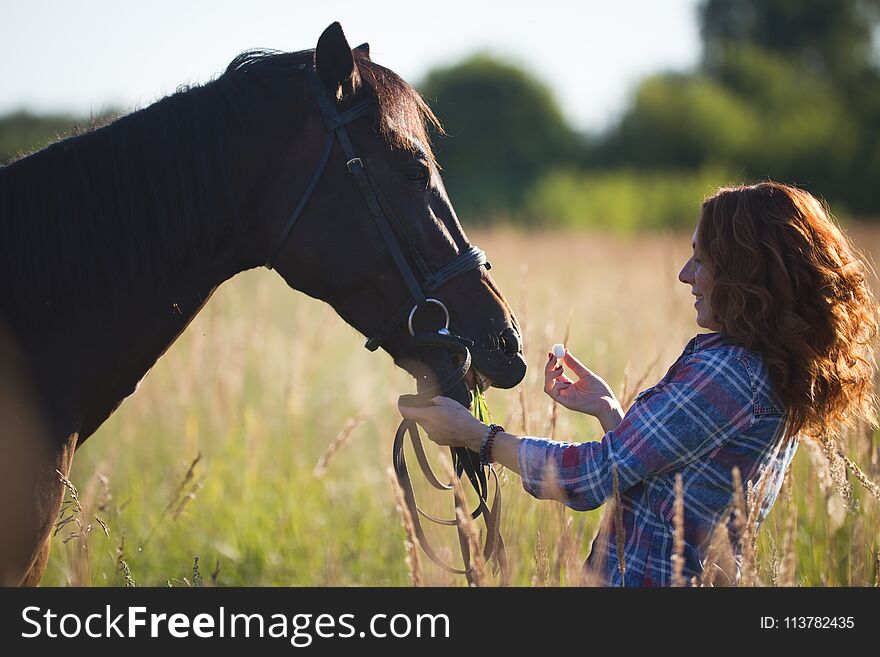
(88, 371)
(113, 360)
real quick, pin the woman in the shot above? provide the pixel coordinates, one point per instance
(789, 354)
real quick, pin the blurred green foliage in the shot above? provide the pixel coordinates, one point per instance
(683, 121)
(504, 130)
(833, 38)
(786, 89)
(623, 201)
(759, 118)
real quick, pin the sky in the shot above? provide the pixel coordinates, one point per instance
(85, 56)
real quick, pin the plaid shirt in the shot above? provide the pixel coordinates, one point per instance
(713, 410)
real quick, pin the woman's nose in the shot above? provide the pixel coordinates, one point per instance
(685, 274)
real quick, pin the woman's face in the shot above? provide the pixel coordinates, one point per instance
(696, 274)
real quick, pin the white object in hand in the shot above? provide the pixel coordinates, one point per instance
(559, 350)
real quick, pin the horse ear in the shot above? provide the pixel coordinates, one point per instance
(365, 50)
(334, 62)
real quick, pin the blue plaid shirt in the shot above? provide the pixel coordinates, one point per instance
(713, 410)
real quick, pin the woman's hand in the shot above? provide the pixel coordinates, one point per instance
(588, 394)
(447, 423)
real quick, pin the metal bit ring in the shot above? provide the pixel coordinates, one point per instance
(412, 313)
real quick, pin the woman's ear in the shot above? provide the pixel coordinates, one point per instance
(334, 62)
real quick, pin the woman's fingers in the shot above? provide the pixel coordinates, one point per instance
(555, 379)
(562, 382)
(550, 376)
(570, 360)
(445, 421)
(416, 412)
(576, 366)
(410, 412)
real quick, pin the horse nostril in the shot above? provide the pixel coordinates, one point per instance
(508, 341)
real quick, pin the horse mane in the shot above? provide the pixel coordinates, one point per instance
(403, 113)
(119, 211)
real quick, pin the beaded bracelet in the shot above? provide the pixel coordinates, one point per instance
(486, 445)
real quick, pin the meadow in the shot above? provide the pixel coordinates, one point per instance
(256, 452)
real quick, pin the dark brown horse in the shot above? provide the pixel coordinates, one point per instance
(113, 240)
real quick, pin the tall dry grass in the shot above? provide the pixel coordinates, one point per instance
(215, 456)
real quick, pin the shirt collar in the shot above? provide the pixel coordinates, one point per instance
(705, 341)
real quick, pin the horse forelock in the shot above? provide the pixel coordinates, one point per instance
(404, 116)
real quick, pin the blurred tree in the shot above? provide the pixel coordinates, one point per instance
(681, 121)
(834, 38)
(503, 129)
(788, 89)
(811, 68)
(807, 131)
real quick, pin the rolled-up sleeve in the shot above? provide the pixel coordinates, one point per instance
(703, 405)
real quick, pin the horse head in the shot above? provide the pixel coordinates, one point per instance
(374, 234)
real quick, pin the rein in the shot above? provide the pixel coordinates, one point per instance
(464, 461)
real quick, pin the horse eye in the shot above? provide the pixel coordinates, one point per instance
(417, 173)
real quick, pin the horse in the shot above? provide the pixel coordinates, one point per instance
(112, 240)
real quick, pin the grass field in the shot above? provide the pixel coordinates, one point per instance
(211, 462)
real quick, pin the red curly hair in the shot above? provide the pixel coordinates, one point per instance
(790, 285)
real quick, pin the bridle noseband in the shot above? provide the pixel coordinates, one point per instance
(464, 461)
(384, 218)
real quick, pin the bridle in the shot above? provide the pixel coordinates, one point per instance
(385, 219)
(389, 226)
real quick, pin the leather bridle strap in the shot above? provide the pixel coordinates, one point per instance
(335, 123)
(491, 514)
(464, 462)
(471, 259)
(316, 176)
